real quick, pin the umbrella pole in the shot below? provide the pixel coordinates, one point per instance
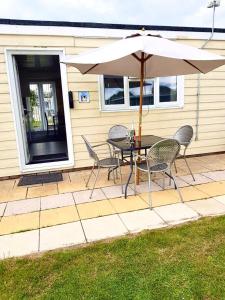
(142, 60)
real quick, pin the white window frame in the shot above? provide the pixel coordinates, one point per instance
(157, 105)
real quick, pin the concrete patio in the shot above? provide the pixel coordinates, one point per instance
(49, 216)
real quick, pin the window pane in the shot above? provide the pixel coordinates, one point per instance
(113, 90)
(168, 89)
(134, 92)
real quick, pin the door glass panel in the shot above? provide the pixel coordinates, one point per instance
(49, 103)
(34, 108)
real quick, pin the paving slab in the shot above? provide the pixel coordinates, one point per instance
(116, 191)
(55, 201)
(19, 223)
(212, 189)
(176, 213)
(61, 236)
(95, 209)
(41, 191)
(2, 208)
(83, 196)
(130, 204)
(18, 244)
(162, 197)
(215, 175)
(199, 179)
(22, 206)
(57, 216)
(207, 207)
(143, 187)
(221, 199)
(170, 184)
(136, 221)
(190, 193)
(17, 193)
(103, 228)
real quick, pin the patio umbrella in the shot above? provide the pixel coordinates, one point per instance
(145, 56)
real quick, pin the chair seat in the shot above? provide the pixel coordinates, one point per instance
(110, 162)
(155, 168)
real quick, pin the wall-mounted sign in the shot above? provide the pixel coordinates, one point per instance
(84, 97)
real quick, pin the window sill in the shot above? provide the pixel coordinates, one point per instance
(144, 108)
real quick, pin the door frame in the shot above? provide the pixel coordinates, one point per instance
(48, 166)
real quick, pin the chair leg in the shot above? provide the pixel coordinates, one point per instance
(114, 177)
(135, 180)
(94, 182)
(185, 159)
(121, 178)
(163, 181)
(175, 166)
(92, 171)
(177, 188)
(149, 192)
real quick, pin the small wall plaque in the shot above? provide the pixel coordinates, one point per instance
(83, 97)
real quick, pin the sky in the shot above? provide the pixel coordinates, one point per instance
(142, 12)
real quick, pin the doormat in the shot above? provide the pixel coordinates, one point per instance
(41, 178)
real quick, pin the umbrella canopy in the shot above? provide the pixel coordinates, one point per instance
(145, 56)
(162, 57)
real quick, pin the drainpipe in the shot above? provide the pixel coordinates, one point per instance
(212, 4)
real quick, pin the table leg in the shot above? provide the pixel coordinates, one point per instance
(131, 172)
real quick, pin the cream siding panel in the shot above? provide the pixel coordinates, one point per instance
(8, 163)
(4, 88)
(37, 41)
(6, 117)
(92, 42)
(4, 79)
(87, 118)
(8, 154)
(3, 68)
(10, 145)
(5, 98)
(7, 136)
(9, 171)
(2, 58)
(5, 107)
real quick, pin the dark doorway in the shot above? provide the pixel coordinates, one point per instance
(43, 111)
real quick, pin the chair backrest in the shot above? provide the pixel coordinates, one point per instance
(90, 150)
(118, 131)
(164, 151)
(184, 135)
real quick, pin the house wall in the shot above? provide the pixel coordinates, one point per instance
(87, 119)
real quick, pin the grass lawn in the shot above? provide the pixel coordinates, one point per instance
(185, 262)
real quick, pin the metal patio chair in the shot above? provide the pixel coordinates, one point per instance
(159, 159)
(118, 132)
(184, 136)
(108, 162)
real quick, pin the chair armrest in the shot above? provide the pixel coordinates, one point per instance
(104, 144)
(98, 145)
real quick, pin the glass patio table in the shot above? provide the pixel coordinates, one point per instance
(124, 145)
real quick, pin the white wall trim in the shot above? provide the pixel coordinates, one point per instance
(9, 52)
(100, 32)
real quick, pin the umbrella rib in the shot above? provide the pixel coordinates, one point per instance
(193, 65)
(147, 57)
(136, 57)
(90, 68)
